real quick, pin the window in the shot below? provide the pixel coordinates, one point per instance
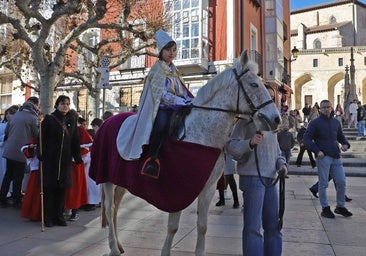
(187, 30)
(364, 61)
(315, 63)
(332, 20)
(340, 62)
(6, 89)
(253, 38)
(317, 44)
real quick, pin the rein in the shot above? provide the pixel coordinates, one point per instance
(253, 108)
(281, 179)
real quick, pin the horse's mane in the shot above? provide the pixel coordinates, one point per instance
(222, 81)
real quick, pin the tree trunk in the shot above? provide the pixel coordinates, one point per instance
(46, 93)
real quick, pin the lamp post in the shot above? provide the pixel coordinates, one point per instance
(294, 53)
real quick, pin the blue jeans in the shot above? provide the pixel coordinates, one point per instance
(333, 167)
(286, 155)
(260, 208)
(361, 127)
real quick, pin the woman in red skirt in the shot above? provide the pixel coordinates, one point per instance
(77, 195)
(31, 206)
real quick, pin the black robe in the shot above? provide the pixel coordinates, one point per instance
(60, 143)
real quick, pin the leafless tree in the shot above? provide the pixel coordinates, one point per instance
(44, 44)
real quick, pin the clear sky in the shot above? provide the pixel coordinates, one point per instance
(296, 4)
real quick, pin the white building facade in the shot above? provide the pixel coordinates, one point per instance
(324, 35)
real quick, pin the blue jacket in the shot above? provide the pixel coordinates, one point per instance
(323, 134)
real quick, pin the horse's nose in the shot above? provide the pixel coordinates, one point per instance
(277, 120)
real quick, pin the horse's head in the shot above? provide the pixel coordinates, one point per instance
(253, 98)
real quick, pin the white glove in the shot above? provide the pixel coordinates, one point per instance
(180, 101)
(168, 99)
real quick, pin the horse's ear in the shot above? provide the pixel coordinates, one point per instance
(244, 58)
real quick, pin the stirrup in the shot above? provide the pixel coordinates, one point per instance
(145, 168)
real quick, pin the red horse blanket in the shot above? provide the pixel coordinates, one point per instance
(185, 168)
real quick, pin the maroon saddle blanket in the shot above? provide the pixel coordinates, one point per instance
(185, 168)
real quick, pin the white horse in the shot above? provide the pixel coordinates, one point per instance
(235, 91)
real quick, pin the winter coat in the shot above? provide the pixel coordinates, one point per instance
(22, 127)
(323, 134)
(60, 143)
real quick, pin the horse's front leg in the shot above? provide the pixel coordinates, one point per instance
(173, 225)
(204, 200)
(108, 201)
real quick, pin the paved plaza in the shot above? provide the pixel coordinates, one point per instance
(142, 228)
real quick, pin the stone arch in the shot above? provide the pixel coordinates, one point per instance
(333, 80)
(299, 82)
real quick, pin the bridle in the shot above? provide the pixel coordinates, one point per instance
(241, 87)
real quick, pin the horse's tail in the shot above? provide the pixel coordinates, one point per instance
(102, 209)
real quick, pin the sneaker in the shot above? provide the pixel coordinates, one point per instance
(315, 193)
(74, 217)
(343, 211)
(347, 199)
(327, 213)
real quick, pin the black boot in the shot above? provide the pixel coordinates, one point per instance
(236, 200)
(221, 202)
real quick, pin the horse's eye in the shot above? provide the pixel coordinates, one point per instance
(253, 84)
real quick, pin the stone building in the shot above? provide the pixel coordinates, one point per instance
(325, 35)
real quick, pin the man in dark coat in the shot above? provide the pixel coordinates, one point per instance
(22, 127)
(60, 143)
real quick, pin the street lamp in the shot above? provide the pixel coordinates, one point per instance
(295, 54)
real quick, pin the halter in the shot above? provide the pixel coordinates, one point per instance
(253, 108)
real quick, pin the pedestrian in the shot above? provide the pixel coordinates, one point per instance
(229, 171)
(353, 114)
(9, 112)
(286, 142)
(164, 93)
(107, 114)
(339, 113)
(60, 143)
(303, 148)
(361, 120)
(77, 195)
(306, 111)
(314, 113)
(22, 127)
(31, 206)
(95, 124)
(93, 190)
(261, 207)
(322, 137)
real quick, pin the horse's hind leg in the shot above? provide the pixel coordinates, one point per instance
(108, 194)
(173, 225)
(118, 195)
